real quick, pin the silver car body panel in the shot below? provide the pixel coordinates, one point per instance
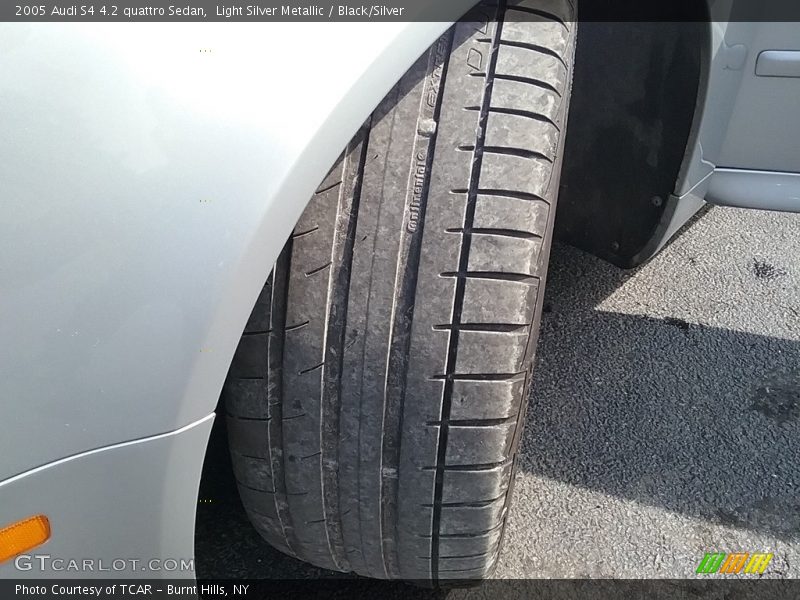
(146, 190)
(145, 200)
(127, 509)
(737, 187)
(743, 120)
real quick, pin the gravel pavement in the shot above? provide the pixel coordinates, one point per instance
(664, 422)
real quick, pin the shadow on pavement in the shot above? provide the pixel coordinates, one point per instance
(697, 420)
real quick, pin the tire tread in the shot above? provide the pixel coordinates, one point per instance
(375, 400)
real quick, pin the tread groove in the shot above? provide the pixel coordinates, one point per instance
(520, 152)
(472, 534)
(304, 233)
(249, 456)
(476, 422)
(317, 270)
(488, 327)
(331, 402)
(292, 417)
(479, 555)
(473, 504)
(517, 195)
(534, 48)
(519, 112)
(499, 275)
(450, 364)
(469, 468)
(254, 489)
(239, 418)
(296, 327)
(310, 369)
(512, 233)
(327, 188)
(479, 376)
(252, 333)
(461, 570)
(539, 13)
(405, 289)
(530, 81)
(277, 459)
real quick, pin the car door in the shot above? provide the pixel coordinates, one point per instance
(751, 130)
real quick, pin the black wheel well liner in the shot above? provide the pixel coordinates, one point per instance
(638, 91)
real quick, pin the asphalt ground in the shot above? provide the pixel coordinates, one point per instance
(664, 421)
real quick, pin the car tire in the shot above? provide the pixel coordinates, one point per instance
(376, 399)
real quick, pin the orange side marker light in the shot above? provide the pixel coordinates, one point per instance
(23, 535)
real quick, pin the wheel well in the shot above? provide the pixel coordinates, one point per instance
(636, 95)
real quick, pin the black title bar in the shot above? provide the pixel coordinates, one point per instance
(389, 10)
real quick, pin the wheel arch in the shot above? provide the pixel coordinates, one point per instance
(312, 157)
